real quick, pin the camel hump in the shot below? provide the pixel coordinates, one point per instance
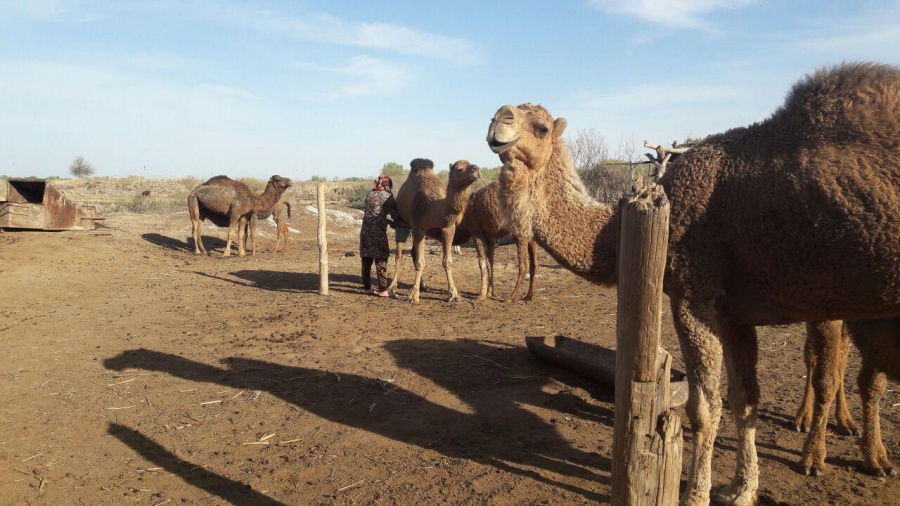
(851, 99)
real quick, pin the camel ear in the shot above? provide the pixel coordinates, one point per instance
(559, 126)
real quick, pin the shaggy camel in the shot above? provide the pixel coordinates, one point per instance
(483, 223)
(280, 212)
(879, 344)
(429, 209)
(229, 203)
(788, 220)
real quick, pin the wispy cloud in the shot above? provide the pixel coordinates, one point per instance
(363, 76)
(48, 10)
(323, 27)
(687, 14)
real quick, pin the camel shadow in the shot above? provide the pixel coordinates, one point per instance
(229, 490)
(294, 282)
(498, 433)
(211, 243)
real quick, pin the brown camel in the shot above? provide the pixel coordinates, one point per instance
(280, 212)
(788, 220)
(820, 336)
(879, 344)
(229, 203)
(429, 209)
(483, 223)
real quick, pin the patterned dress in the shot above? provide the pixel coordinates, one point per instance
(373, 240)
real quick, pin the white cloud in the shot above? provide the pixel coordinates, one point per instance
(364, 76)
(334, 30)
(672, 13)
(47, 10)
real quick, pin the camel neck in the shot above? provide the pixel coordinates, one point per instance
(456, 201)
(579, 232)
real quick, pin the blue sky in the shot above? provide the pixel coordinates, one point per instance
(172, 88)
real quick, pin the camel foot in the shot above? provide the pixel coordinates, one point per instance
(480, 298)
(454, 298)
(741, 494)
(815, 470)
(882, 469)
(847, 428)
(693, 499)
(801, 425)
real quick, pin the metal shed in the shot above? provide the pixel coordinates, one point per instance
(35, 204)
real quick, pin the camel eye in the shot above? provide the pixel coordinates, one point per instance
(541, 130)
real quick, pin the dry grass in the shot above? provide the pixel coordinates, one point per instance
(125, 194)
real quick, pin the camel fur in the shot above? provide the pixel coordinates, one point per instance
(429, 209)
(280, 212)
(483, 223)
(878, 342)
(229, 203)
(788, 220)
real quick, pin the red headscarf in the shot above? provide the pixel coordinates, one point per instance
(383, 181)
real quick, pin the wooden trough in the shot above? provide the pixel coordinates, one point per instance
(594, 362)
(35, 204)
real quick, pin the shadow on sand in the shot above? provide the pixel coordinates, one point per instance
(232, 491)
(499, 432)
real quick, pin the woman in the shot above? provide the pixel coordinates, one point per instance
(381, 210)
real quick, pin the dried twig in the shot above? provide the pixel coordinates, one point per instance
(121, 382)
(348, 487)
(123, 407)
(487, 360)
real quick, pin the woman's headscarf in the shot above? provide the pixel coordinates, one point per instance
(384, 181)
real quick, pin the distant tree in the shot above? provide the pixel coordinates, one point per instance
(81, 168)
(393, 170)
(491, 173)
(318, 179)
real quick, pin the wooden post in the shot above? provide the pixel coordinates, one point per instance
(647, 451)
(323, 241)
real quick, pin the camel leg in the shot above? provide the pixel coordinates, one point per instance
(532, 269)
(397, 258)
(843, 419)
(231, 233)
(447, 247)
(741, 353)
(242, 231)
(872, 383)
(481, 251)
(825, 338)
(418, 254)
(702, 354)
(522, 255)
(490, 246)
(194, 212)
(805, 411)
(282, 235)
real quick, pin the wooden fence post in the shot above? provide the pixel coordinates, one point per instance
(323, 240)
(647, 451)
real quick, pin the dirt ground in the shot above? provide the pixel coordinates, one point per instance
(137, 373)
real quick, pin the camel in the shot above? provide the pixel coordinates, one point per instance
(280, 212)
(879, 344)
(788, 220)
(483, 223)
(429, 209)
(819, 335)
(229, 203)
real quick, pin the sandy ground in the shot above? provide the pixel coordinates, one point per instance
(137, 373)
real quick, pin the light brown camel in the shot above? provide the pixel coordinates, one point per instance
(229, 203)
(483, 223)
(788, 220)
(879, 344)
(280, 212)
(429, 209)
(820, 336)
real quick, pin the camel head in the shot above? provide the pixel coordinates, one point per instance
(279, 183)
(524, 134)
(463, 174)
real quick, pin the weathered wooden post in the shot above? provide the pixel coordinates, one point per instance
(323, 240)
(647, 442)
